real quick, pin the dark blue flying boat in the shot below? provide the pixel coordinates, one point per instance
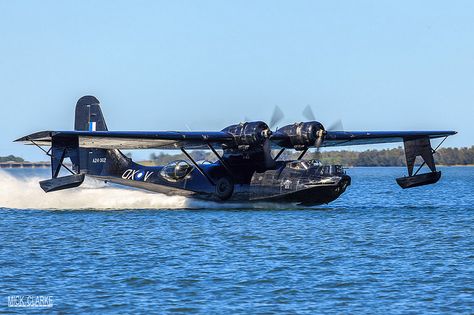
(245, 171)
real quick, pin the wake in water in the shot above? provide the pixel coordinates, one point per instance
(25, 193)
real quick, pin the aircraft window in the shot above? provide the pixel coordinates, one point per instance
(204, 162)
(298, 165)
(313, 163)
(176, 170)
(331, 170)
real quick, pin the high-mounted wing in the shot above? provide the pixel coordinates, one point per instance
(134, 139)
(173, 140)
(345, 138)
(305, 135)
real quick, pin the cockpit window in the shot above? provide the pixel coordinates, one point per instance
(204, 162)
(176, 170)
(304, 164)
(298, 165)
(312, 163)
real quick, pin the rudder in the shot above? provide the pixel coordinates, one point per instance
(95, 161)
(89, 115)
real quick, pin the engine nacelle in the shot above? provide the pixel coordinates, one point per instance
(301, 135)
(249, 133)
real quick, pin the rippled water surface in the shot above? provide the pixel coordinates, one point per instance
(377, 249)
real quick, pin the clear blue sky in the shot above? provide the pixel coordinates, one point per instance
(156, 65)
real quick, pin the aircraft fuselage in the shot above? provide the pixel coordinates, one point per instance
(301, 181)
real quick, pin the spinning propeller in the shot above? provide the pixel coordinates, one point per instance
(277, 116)
(335, 126)
(299, 136)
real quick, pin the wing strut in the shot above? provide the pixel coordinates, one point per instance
(222, 161)
(57, 152)
(433, 152)
(278, 154)
(198, 167)
(419, 147)
(58, 166)
(303, 153)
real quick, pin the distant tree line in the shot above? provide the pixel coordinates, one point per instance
(396, 157)
(386, 157)
(10, 158)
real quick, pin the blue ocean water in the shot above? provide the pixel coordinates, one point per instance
(377, 249)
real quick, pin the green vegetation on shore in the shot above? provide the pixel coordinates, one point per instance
(387, 157)
(11, 158)
(396, 157)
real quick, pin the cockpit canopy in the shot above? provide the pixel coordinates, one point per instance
(176, 170)
(323, 170)
(303, 164)
(204, 162)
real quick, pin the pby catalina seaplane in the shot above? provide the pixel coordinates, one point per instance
(245, 171)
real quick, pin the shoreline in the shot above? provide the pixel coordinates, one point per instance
(45, 165)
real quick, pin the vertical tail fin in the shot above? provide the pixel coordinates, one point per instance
(100, 162)
(89, 115)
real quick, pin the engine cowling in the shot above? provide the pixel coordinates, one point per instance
(249, 133)
(300, 135)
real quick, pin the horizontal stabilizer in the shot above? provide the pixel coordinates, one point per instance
(60, 183)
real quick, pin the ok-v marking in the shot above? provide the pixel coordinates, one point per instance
(136, 175)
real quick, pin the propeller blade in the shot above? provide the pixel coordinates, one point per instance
(268, 159)
(319, 140)
(318, 143)
(308, 113)
(336, 126)
(277, 116)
